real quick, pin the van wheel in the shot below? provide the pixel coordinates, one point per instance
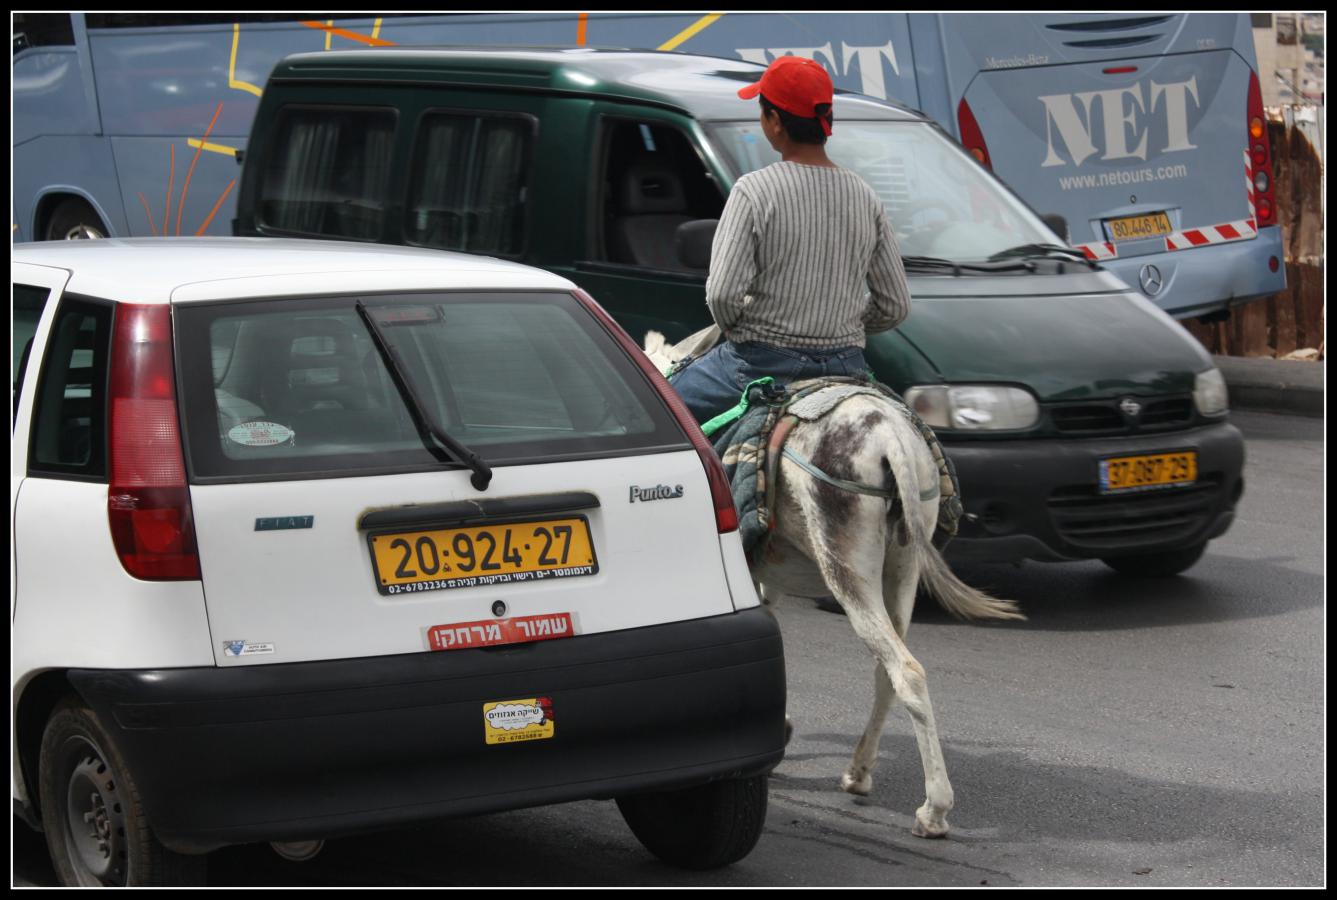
(74, 220)
(1157, 565)
(95, 827)
(703, 827)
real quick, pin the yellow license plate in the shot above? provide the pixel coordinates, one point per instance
(446, 558)
(1137, 228)
(1132, 473)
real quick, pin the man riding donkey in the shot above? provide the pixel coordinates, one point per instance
(803, 266)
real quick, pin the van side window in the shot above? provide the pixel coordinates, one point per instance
(469, 185)
(653, 182)
(29, 301)
(69, 433)
(329, 172)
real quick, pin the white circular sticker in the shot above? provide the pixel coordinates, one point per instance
(260, 434)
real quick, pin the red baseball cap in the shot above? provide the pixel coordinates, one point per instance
(797, 85)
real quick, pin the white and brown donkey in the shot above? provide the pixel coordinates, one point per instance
(871, 553)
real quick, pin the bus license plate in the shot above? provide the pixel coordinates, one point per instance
(1138, 228)
(447, 558)
(1140, 473)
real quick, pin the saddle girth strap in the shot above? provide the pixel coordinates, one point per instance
(925, 495)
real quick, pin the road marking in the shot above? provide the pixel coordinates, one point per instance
(212, 148)
(330, 30)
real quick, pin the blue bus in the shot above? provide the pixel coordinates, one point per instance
(1144, 132)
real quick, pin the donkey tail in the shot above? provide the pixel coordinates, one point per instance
(957, 597)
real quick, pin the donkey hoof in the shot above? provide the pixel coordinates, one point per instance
(861, 787)
(789, 730)
(926, 828)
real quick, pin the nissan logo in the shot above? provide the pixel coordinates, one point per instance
(1151, 280)
(1130, 407)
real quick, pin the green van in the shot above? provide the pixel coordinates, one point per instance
(1083, 421)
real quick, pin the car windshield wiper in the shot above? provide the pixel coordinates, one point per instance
(425, 422)
(937, 265)
(1030, 250)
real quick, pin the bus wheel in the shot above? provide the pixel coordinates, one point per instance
(74, 220)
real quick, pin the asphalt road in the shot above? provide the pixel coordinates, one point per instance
(1142, 733)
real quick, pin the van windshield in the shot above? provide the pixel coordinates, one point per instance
(940, 202)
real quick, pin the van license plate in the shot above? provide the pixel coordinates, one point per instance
(1137, 228)
(446, 558)
(1140, 473)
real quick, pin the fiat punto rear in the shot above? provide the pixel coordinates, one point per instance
(314, 538)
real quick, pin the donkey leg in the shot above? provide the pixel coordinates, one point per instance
(873, 625)
(858, 777)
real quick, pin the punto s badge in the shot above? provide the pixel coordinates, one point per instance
(658, 492)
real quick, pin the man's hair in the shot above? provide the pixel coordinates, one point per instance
(799, 129)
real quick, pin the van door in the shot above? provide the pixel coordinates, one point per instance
(651, 177)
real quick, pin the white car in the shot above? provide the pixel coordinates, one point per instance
(313, 538)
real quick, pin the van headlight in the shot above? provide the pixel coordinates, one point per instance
(974, 407)
(1209, 393)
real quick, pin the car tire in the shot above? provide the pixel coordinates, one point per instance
(96, 830)
(1157, 565)
(74, 220)
(703, 827)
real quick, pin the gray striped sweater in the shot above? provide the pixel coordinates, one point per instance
(798, 250)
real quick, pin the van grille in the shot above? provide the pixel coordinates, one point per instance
(1085, 518)
(1105, 417)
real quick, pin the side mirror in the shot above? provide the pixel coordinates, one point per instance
(693, 240)
(1057, 223)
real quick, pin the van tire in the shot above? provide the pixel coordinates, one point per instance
(703, 827)
(96, 830)
(74, 220)
(1157, 565)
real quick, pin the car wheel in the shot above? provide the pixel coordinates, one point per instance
(74, 220)
(95, 826)
(1156, 565)
(703, 827)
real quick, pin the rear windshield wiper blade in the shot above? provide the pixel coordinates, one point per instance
(1026, 250)
(935, 264)
(425, 422)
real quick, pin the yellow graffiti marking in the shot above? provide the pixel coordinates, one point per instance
(691, 31)
(232, 81)
(329, 34)
(212, 148)
(376, 29)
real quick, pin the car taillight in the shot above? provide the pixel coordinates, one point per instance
(971, 136)
(148, 502)
(726, 516)
(1260, 154)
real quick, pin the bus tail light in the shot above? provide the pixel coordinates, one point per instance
(1260, 154)
(148, 501)
(971, 136)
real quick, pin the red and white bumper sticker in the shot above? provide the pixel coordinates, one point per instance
(495, 632)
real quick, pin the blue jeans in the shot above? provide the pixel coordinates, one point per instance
(715, 382)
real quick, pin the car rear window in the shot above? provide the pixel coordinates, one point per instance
(297, 387)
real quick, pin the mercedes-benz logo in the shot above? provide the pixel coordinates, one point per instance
(1130, 407)
(1151, 280)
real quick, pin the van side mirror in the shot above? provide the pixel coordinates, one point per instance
(693, 240)
(1057, 223)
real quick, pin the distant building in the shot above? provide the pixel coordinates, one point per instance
(1289, 71)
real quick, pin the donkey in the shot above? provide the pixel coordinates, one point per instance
(871, 553)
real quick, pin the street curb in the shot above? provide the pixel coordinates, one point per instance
(1274, 385)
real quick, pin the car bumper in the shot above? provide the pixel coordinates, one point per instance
(1041, 500)
(312, 750)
